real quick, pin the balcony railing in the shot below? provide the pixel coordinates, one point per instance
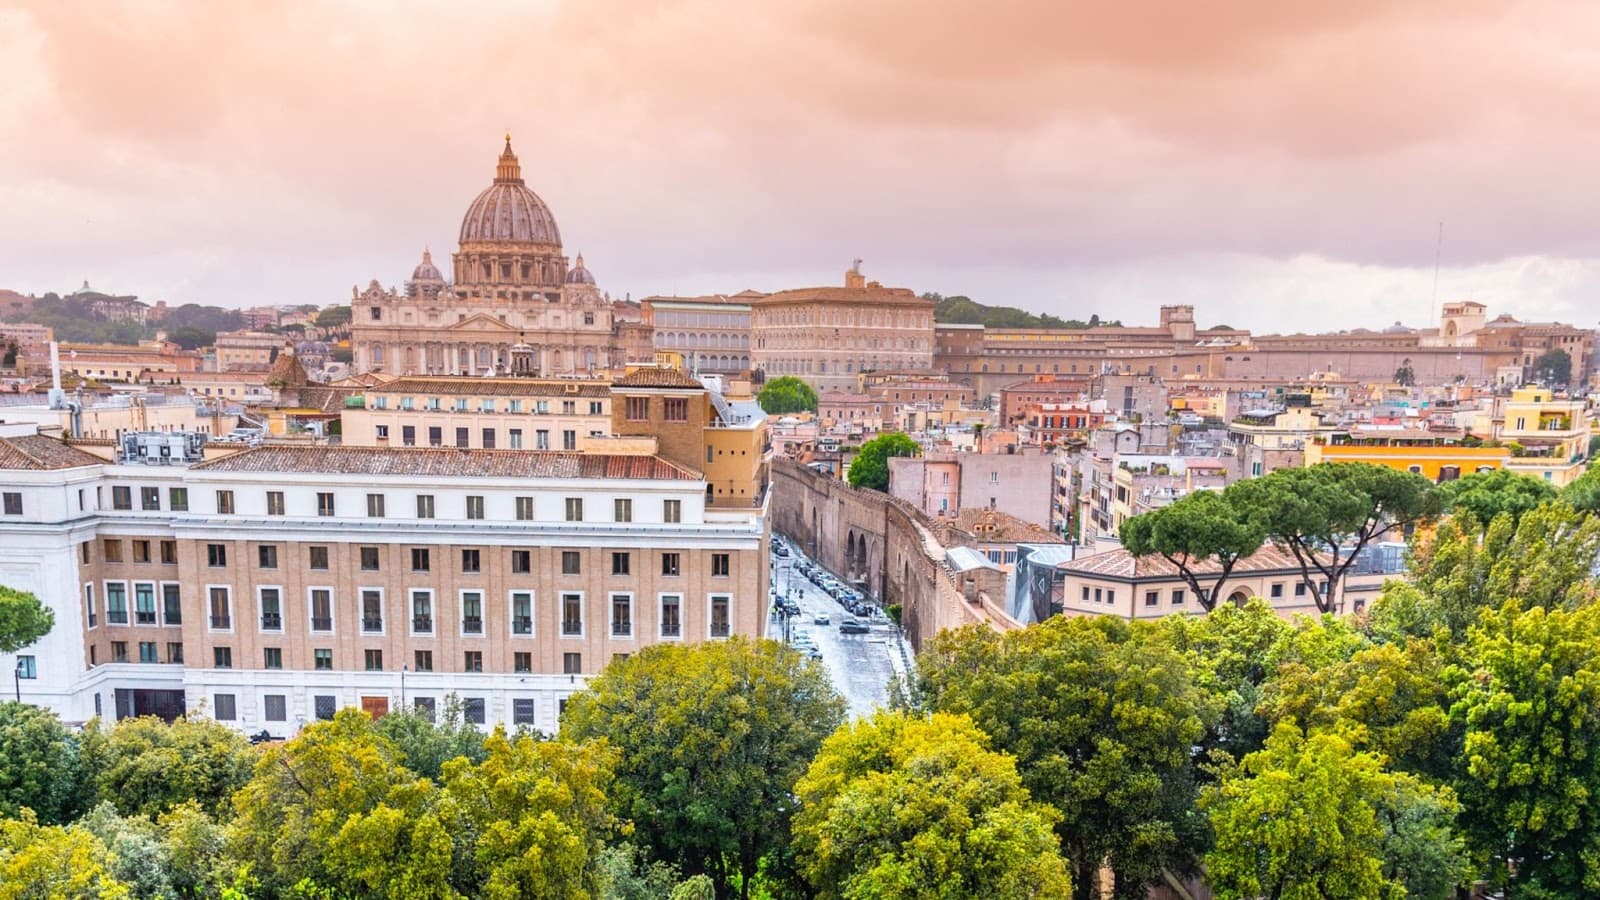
(422, 624)
(522, 625)
(221, 621)
(144, 618)
(671, 629)
(371, 623)
(472, 624)
(719, 629)
(622, 629)
(322, 623)
(571, 627)
(271, 621)
(116, 617)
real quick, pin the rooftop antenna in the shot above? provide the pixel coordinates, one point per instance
(1433, 302)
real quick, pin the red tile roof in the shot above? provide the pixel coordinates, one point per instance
(492, 387)
(438, 462)
(656, 377)
(1123, 565)
(37, 452)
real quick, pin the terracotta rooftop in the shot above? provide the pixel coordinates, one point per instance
(656, 377)
(1123, 565)
(844, 294)
(39, 453)
(493, 387)
(994, 526)
(443, 462)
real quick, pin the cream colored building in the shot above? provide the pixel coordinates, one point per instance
(512, 304)
(479, 413)
(827, 336)
(1551, 435)
(246, 350)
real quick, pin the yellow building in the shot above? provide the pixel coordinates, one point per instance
(1548, 437)
(1415, 450)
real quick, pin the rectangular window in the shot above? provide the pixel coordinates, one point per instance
(325, 704)
(422, 612)
(488, 437)
(147, 652)
(637, 409)
(144, 604)
(672, 511)
(224, 503)
(622, 615)
(571, 615)
(1177, 598)
(175, 652)
(221, 605)
(1277, 590)
(324, 503)
(522, 612)
(675, 409)
(541, 439)
(267, 556)
(472, 661)
(271, 609)
(375, 506)
(1152, 598)
(522, 661)
(669, 564)
(178, 499)
(521, 562)
(572, 663)
(113, 550)
(227, 710)
(524, 509)
(274, 503)
(374, 660)
(419, 559)
(620, 563)
(472, 709)
(424, 506)
(321, 609)
(522, 710)
(471, 612)
(422, 660)
(574, 509)
(275, 708)
(27, 667)
(222, 657)
(462, 441)
(169, 553)
(216, 555)
(149, 501)
(317, 557)
(141, 551)
(88, 606)
(435, 436)
(1300, 589)
(272, 657)
(569, 440)
(408, 435)
(720, 615)
(116, 603)
(369, 559)
(622, 509)
(371, 610)
(571, 562)
(121, 497)
(474, 506)
(515, 438)
(471, 560)
(595, 408)
(671, 616)
(119, 651)
(171, 605)
(322, 660)
(720, 563)
(569, 407)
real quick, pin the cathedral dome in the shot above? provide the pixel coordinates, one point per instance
(579, 274)
(508, 211)
(426, 270)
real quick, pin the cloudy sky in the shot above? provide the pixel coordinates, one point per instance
(1283, 166)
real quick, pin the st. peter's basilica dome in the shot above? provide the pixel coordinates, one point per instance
(579, 273)
(426, 270)
(508, 211)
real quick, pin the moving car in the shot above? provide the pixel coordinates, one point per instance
(853, 626)
(819, 619)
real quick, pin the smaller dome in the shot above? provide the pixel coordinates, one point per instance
(579, 274)
(426, 270)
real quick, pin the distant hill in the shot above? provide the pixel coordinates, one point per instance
(966, 311)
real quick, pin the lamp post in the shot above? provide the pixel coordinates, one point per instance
(16, 678)
(402, 687)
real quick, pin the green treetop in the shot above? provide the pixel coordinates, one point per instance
(870, 467)
(787, 394)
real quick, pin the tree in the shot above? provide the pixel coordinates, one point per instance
(539, 816)
(903, 806)
(870, 468)
(23, 619)
(1553, 367)
(190, 338)
(147, 766)
(1527, 697)
(1103, 717)
(712, 739)
(1308, 817)
(1487, 494)
(334, 316)
(1231, 654)
(787, 394)
(1583, 494)
(40, 765)
(1326, 514)
(1405, 376)
(427, 745)
(1202, 534)
(38, 861)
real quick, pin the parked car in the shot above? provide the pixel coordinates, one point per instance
(819, 619)
(852, 626)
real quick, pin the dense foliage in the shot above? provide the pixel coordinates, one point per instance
(870, 467)
(960, 310)
(23, 619)
(787, 394)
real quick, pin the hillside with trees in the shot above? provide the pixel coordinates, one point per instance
(960, 310)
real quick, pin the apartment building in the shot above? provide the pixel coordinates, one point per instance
(270, 587)
(479, 413)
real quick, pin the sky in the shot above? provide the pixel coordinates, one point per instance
(1282, 166)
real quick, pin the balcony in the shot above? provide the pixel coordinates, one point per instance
(116, 617)
(671, 630)
(472, 625)
(371, 623)
(322, 623)
(143, 617)
(422, 624)
(622, 629)
(271, 622)
(719, 629)
(571, 627)
(221, 621)
(522, 625)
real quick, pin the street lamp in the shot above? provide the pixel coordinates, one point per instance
(16, 677)
(402, 687)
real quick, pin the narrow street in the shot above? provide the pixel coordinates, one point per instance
(861, 665)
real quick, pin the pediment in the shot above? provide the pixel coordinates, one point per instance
(480, 322)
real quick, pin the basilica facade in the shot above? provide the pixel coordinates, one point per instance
(512, 305)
